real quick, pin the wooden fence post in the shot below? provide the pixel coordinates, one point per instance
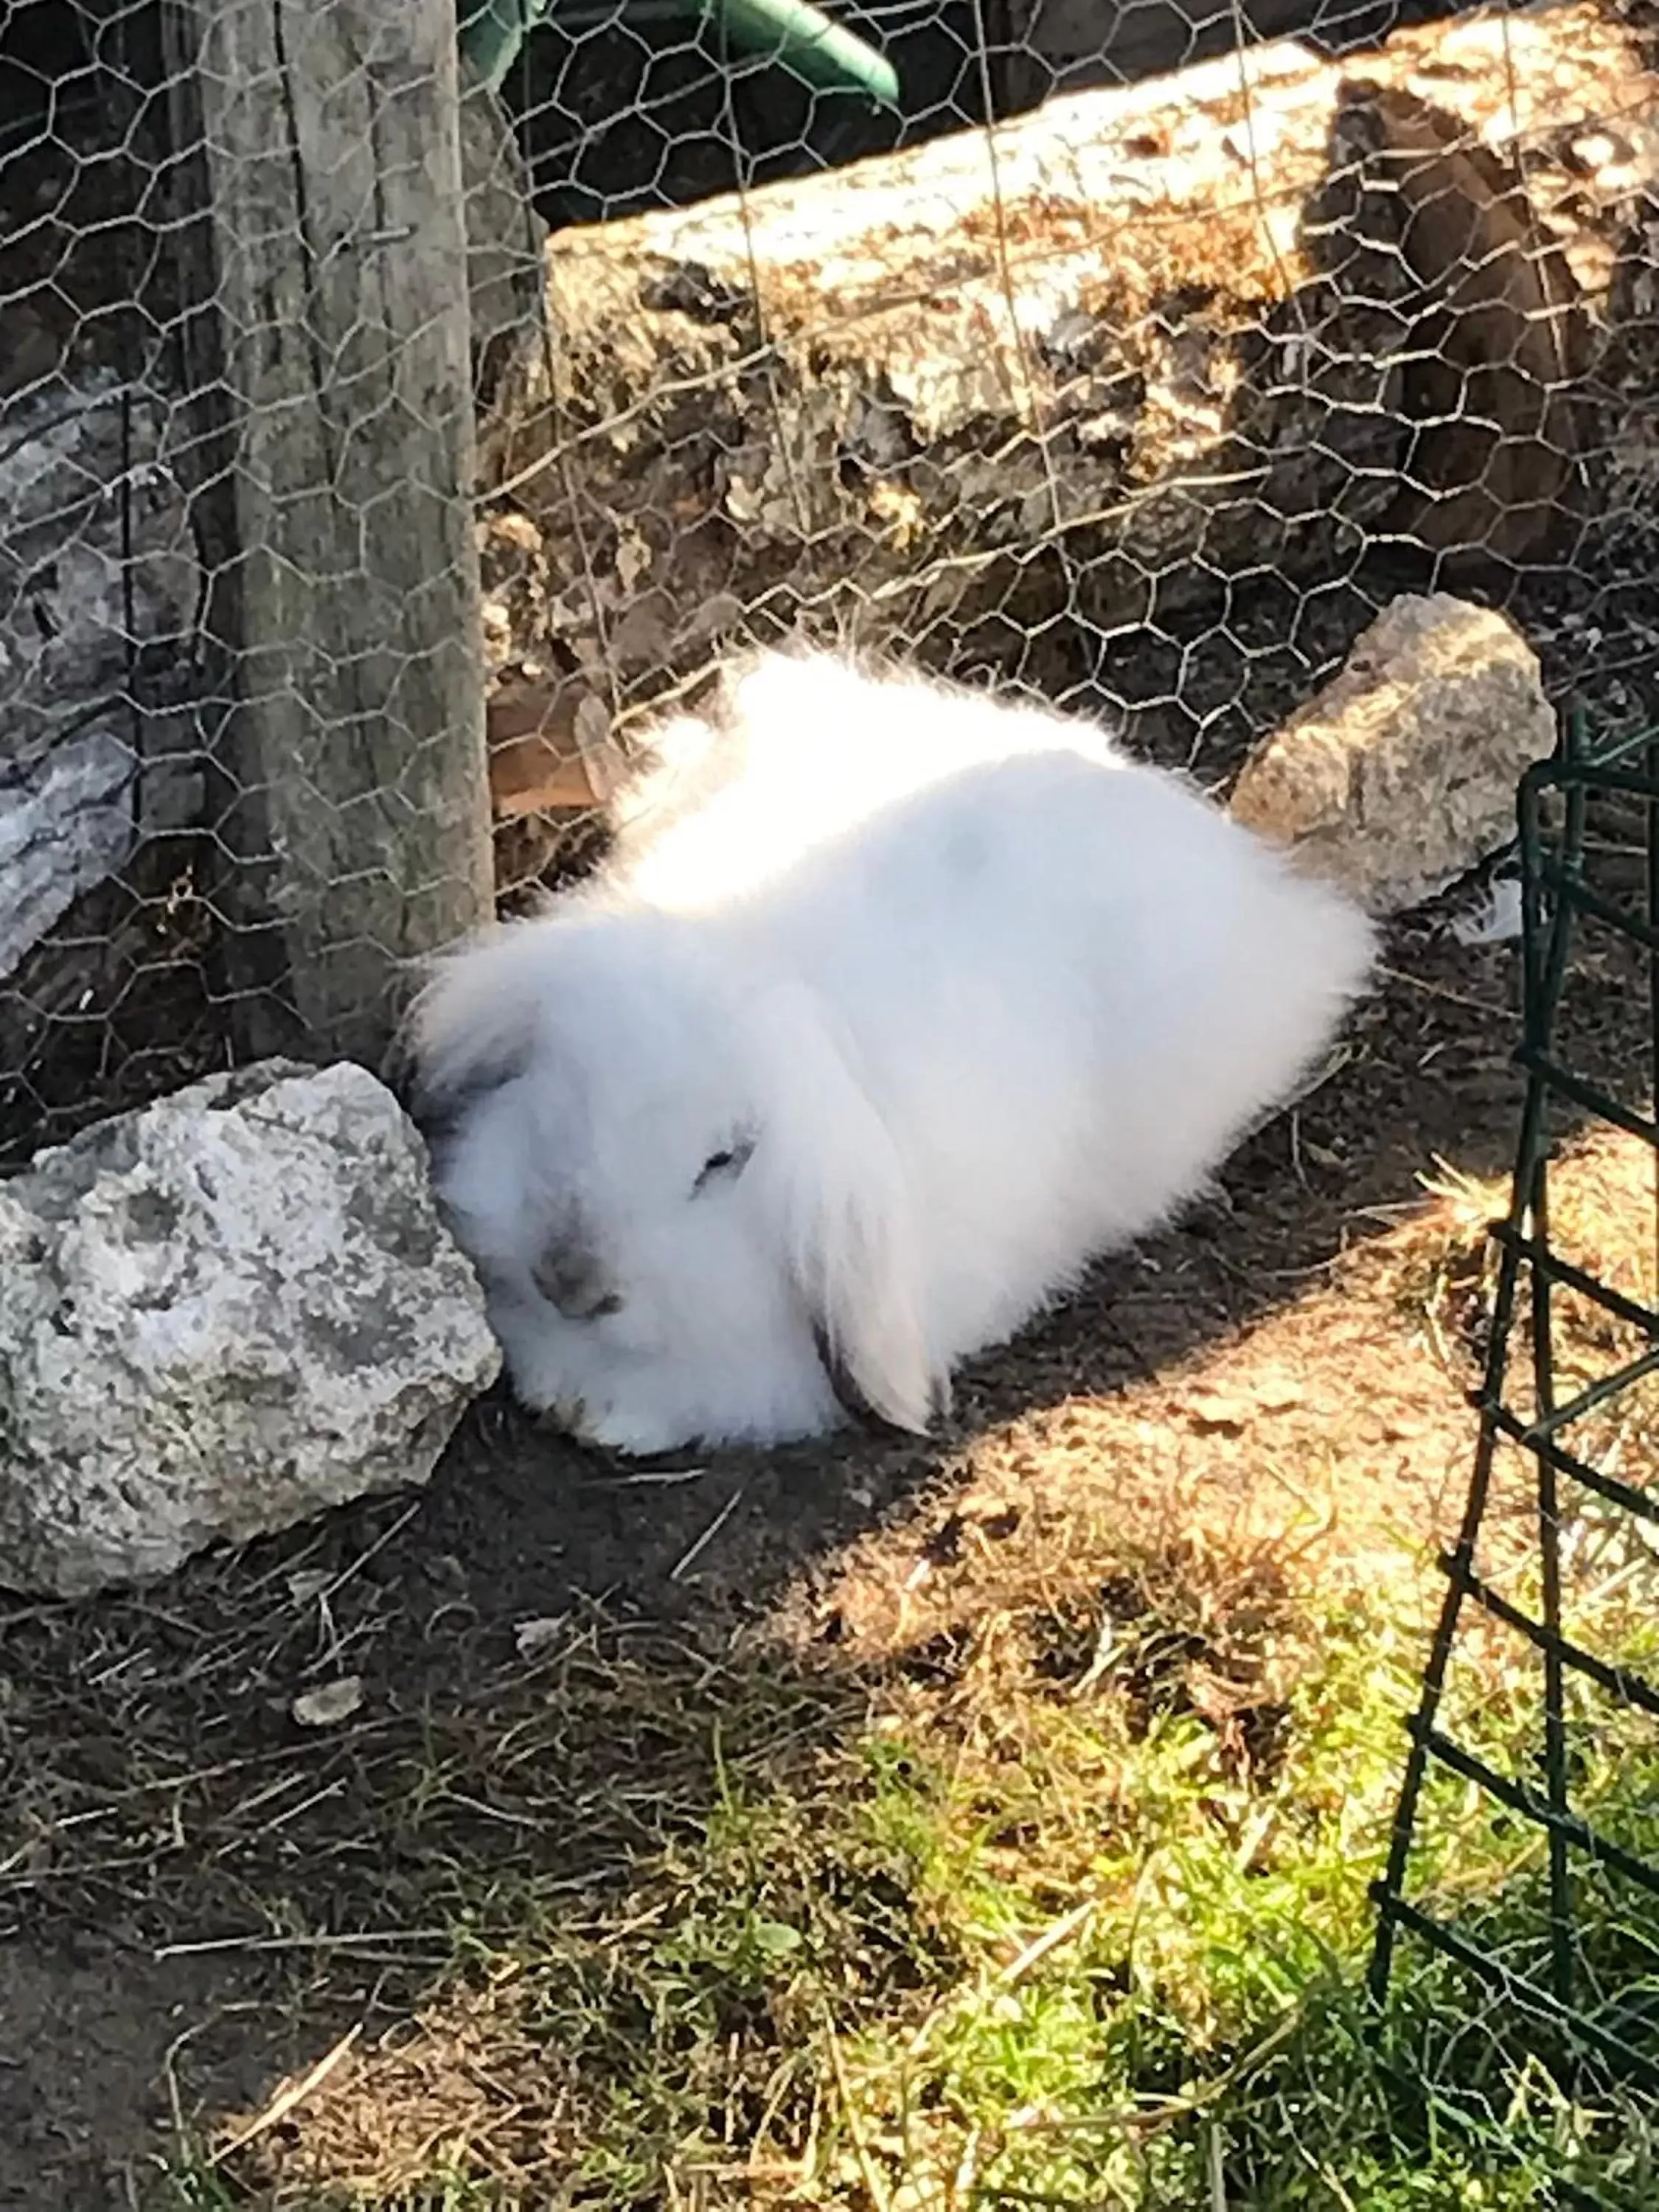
(329, 351)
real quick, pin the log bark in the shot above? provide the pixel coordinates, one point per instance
(355, 826)
(126, 504)
(99, 590)
(1145, 339)
(101, 584)
(504, 241)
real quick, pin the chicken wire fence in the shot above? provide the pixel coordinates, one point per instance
(336, 337)
(1552, 1582)
(395, 411)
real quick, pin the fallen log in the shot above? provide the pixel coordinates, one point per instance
(99, 588)
(1252, 315)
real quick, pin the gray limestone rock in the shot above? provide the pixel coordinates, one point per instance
(219, 1315)
(1400, 777)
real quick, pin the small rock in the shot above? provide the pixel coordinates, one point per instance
(330, 1703)
(1277, 1394)
(532, 1637)
(218, 1315)
(1401, 774)
(1216, 1409)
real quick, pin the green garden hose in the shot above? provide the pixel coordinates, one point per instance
(807, 43)
(792, 32)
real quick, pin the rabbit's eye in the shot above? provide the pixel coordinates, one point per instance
(724, 1165)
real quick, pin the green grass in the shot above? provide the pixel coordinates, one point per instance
(1038, 1943)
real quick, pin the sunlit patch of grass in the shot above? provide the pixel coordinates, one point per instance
(1093, 1941)
(1071, 2055)
(1194, 2031)
(1053, 1889)
(1091, 1956)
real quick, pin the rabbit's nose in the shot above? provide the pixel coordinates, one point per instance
(574, 1284)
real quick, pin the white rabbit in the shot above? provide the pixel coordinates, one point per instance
(796, 747)
(897, 1005)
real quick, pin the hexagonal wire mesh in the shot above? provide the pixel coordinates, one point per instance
(97, 597)
(1147, 400)
(242, 770)
(1556, 1561)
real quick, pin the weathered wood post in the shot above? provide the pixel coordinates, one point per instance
(335, 467)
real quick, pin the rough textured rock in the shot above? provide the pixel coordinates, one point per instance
(218, 1315)
(1402, 774)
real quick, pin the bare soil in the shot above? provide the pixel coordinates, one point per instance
(196, 1894)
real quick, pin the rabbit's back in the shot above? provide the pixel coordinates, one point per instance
(1070, 987)
(807, 746)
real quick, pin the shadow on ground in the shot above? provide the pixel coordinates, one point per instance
(197, 1892)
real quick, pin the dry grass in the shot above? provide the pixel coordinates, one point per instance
(1046, 1882)
(867, 1827)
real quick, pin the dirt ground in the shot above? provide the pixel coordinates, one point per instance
(196, 1892)
(198, 1895)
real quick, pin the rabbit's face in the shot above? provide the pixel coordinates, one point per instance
(633, 1192)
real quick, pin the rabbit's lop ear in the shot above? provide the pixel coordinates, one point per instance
(472, 1025)
(848, 1222)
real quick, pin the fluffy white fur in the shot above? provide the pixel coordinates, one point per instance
(897, 1005)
